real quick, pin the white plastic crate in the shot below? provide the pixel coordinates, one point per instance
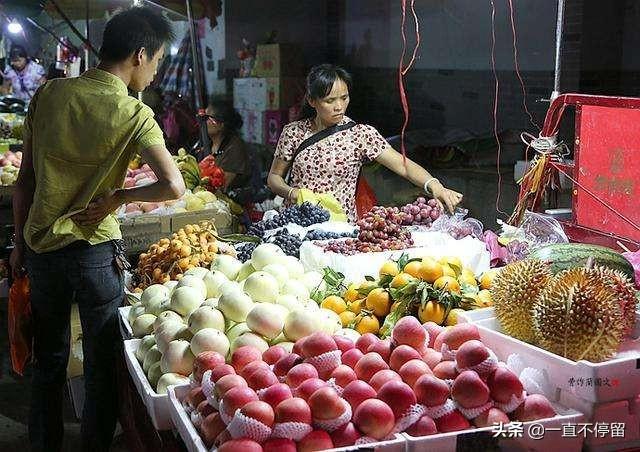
(474, 315)
(482, 438)
(157, 404)
(582, 379)
(125, 327)
(194, 443)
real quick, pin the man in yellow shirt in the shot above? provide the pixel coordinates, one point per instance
(79, 136)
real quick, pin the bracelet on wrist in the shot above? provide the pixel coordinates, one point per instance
(426, 185)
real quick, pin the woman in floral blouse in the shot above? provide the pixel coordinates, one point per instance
(332, 165)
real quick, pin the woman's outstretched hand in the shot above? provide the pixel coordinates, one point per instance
(447, 198)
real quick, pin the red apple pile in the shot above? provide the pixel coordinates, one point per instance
(330, 392)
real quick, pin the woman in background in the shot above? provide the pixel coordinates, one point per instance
(230, 152)
(23, 76)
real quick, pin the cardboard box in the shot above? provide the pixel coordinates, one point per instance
(262, 94)
(139, 233)
(274, 121)
(278, 60)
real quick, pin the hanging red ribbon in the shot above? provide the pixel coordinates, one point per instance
(402, 69)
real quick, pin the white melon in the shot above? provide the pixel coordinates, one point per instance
(152, 356)
(235, 305)
(214, 280)
(295, 288)
(170, 379)
(143, 347)
(265, 254)
(209, 339)
(262, 287)
(143, 325)
(177, 358)
(195, 282)
(228, 265)
(206, 317)
(169, 331)
(186, 299)
(153, 291)
(278, 271)
(250, 339)
(266, 319)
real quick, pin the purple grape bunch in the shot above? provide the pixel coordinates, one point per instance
(420, 212)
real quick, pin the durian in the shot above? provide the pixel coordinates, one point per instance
(514, 290)
(626, 292)
(578, 316)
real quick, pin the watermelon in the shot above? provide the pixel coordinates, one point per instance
(562, 256)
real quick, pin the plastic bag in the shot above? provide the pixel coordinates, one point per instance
(365, 197)
(457, 226)
(19, 324)
(536, 230)
(326, 200)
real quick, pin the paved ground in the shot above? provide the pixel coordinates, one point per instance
(14, 404)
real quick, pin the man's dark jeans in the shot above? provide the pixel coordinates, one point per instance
(87, 275)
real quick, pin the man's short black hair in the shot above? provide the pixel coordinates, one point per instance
(134, 28)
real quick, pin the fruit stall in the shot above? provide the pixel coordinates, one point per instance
(397, 333)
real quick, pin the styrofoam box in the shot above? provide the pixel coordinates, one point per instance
(125, 327)
(623, 368)
(194, 443)
(157, 404)
(551, 441)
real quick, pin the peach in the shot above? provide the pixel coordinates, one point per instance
(205, 408)
(470, 354)
(260, 411)
(412, 370)
(401, 354)
(279, 445)
(431, 391)
(422, 427)
(399, 396)
(252, 367)
(210, 428)
(374, 418)
(357, 392)
(326, 404)
(228, 382)
(351, 357)
(243, 356)
(221, 371)
(491, 417)
(344, 343)
(308, 387)
(456, 335)
(452, 422)
(236, 398)
(409, 331)
(365, 341)
(275, 394)
(208, 360)
(293, 410)
(504, 384)
(286, 363)
(534, 407)
(434, 330)
(273, 354)
(343, 375)
(262, 378)
(318, 344)
(446, 370)
(243, 444)
(368, 365)
(345, 436)
(297, 347)
(469, 390)
(314, 441)
(383, 376)
(300, 373)
(195, 397)
(382, 348)
(431, 357)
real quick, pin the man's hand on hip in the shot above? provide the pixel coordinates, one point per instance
(99, 209)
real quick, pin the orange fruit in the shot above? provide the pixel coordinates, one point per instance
(466, 279)
(452, 318)
(356, 306)
(346, 318)
(430, 271)
(448, 271)
(413, 268)
(352, 293)
(401, 280)
(484, 297)
(379, 302)
(389, 268)
(334, 303)
(487, 279)
(452, 261)
(447, 283)
(431, 311)
(367, 324)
